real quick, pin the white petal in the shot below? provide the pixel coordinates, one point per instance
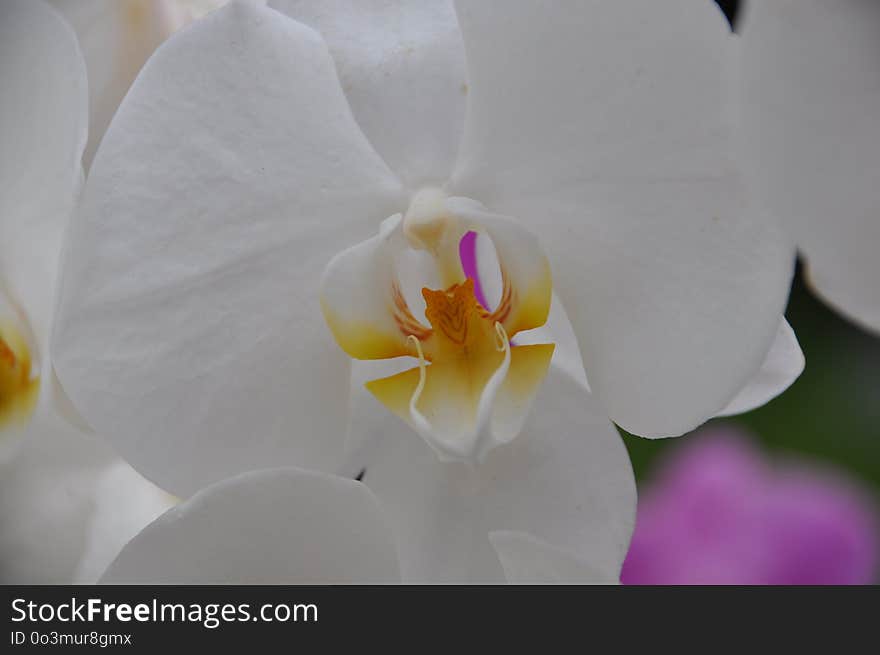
(62, 405)
(124, 503)
(811, 97)
(433, 506)
(116, 38)
(401, 63)
(198, 8)
(45, 503)
(782, 366)
(566, 481)
(61, 488)
(43, 126)
(281, 526)
(527, 560)
(189, 328)
(603, 127)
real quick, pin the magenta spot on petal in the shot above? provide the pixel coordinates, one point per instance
(467, 251)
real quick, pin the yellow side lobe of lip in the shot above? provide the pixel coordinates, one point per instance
(18, 389)
(531, 307)
(362, 340)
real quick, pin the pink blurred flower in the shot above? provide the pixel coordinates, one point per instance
(719, 513)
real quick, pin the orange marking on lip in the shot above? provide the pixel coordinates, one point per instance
(450, 310)
(409, 325)
(458, 318)
(7, 357)
(502, 311)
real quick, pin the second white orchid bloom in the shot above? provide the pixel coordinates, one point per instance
(42, 132)
(67, 503)
(43, 135)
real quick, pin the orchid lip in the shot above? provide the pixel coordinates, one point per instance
(474, 445)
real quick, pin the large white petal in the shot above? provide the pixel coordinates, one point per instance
(67, 506)
(566, 481)
(603, 126)
(401, 63)
(43, 124)
(189, 328)
(782, 366)
(810, 106)
(116, 38)
(280, 526)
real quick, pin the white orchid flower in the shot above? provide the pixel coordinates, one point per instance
(271, 185)
(59, 521)
(811, 94)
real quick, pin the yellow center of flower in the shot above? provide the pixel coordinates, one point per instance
(472, 388)
(18, 389)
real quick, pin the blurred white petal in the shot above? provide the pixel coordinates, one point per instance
(67, 506)
(811, 98)
(43, 129)
(116, 38)
(281, 526)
